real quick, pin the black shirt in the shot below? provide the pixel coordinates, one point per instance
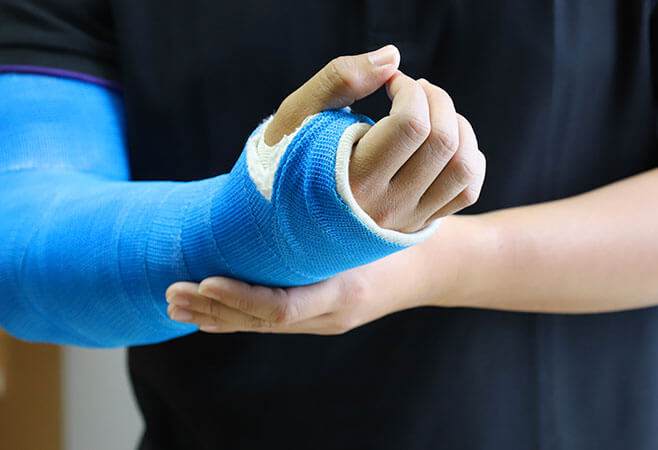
(561, 97)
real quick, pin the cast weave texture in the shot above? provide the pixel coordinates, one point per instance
(86, 254)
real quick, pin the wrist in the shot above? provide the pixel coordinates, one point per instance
(461, 262)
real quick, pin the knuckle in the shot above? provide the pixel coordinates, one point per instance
(215, 321)
(285, 312)
(414, 224)
(370, 199)
(212, 308)
(366, 180)
(352, 291)
(385, 217)
(434, 152)
(243, 303)
(470, 195)
(278, 312)
(341, 73)
(474, 167)
(448, 142)
(255, 322)
(393, 207)
(419, 127)
(462, 172)
(361, 190)
(414, 128)
(358, 289)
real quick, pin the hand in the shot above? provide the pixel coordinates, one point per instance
(419, 163)
(410, 278)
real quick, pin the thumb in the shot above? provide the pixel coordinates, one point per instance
(340, 83)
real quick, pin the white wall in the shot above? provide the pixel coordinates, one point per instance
(99, 410)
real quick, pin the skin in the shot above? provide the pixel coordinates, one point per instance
(591, 253)
(418, 163)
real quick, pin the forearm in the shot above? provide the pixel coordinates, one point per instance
(594, 252)
(87, 255)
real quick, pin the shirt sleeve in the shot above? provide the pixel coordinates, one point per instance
(66, 38)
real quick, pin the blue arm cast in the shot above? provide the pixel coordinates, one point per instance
(86, 254)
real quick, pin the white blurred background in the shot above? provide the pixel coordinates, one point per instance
(99, 411)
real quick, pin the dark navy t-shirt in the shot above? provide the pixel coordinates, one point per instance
(561, 95)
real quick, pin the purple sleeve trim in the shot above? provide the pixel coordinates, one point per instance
(17, 68)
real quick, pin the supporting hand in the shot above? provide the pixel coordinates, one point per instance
(406, 279)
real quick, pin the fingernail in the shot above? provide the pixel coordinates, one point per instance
(206, 285)
(209, 328)
(209, 289)
(181, 315)
(384, 56)
(178, 301)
